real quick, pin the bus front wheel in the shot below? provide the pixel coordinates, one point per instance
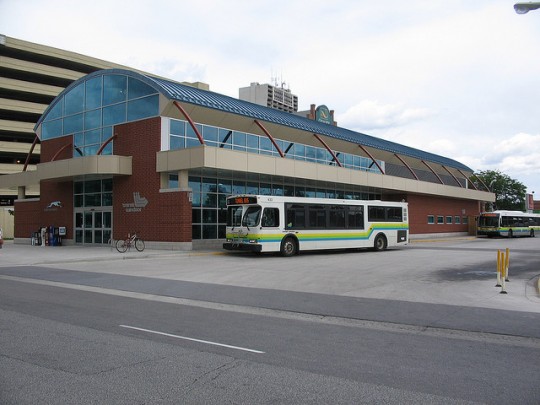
(288, 247)
(380, 243)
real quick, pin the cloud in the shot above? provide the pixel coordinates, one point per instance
(368, 115)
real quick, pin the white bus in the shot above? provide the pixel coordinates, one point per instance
(261, 223)
(508, 223)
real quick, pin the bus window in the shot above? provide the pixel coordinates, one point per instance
(336, 217)
(252, 216)
(317, 216)
(376, 214)
(355, 217)
(270, 217)
(296, 216)
(395, 214)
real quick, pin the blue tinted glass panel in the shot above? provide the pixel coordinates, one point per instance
(225, 138)
(138, 89)
(108, 150)
(176, 142)
(73, 124)
(266, 146)
(252, 141)
(91, 150)
(106, 133)
(192, 142)
(93, 93)
(190, 133)
(142, 108)
(56, 111)
(92, 119)
(114, 89)
(93, 136)
(239, 138)
(74, 100)
(51, 129)
(79, 139)
(178, 127)
(210, 135)
(114, 114)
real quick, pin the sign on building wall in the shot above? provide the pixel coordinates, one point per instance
(137, 205)
(322, 114)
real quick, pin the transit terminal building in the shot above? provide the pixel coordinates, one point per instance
(125, 151)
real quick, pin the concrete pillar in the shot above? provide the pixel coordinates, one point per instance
(21, 192)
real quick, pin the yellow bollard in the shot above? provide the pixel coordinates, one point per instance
(498, 269)
(503, 273)
(507, 264)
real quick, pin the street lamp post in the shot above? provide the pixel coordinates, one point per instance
(525, 7)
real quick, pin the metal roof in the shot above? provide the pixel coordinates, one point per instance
(192, 95)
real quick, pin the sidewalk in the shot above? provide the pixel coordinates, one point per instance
(13, 254)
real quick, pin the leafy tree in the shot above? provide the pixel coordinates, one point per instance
(509, 193)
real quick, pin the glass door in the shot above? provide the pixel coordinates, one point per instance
(93, 226)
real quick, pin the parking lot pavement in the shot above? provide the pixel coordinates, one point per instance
(452, 271)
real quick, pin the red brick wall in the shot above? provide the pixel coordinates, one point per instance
(51, 147)
(31, 216)
(27, 214)
(167, 216)
(422, 206)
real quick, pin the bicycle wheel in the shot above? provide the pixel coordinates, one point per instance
(139, 244)
(121, 245)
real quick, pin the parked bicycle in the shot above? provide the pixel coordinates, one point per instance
(132, 240)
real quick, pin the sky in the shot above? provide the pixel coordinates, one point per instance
(457, 78)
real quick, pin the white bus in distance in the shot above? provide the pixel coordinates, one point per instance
(508, 224)
(261, 223)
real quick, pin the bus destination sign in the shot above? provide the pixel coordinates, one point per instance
(241, 200)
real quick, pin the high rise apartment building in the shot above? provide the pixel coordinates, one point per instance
(267, 95)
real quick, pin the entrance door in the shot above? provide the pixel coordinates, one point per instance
(93, 226)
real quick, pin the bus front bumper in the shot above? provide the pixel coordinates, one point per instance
(250, 247)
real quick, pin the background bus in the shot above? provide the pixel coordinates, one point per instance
(289, 224)
(508, 223)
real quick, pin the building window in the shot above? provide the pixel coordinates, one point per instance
(89, 111)
(430, 219)
(181, 135)
(449, 219)
(440, 219)
(457, 220)
(465, 220)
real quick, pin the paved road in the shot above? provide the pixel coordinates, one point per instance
(420, 324)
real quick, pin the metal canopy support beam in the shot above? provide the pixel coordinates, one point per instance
(451, 174)
(472, 183)
(372, 158)
(328, 149)
(271, 138)
(108, 141)
(36, 139)
(407, 166)
(188, 118)
(432, 171)
(61, 150)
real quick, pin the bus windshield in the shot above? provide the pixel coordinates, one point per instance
(252, 216)
(492, 221)
(234, 217)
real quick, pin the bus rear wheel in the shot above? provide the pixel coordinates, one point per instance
(380, 243)
(288, 247)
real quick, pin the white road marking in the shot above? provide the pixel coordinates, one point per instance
(192, 339)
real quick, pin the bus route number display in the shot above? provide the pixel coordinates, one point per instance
(241, 200)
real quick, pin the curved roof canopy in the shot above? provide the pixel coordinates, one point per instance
(187, 94)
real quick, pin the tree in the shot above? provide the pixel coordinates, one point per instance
(509, 193)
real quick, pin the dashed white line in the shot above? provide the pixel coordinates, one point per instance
(192, 339)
